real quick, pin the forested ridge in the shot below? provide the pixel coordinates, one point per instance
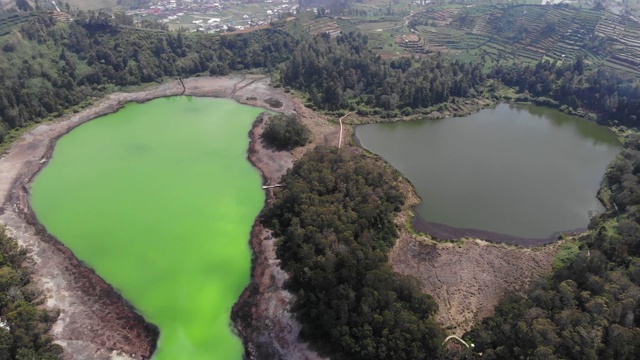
(46, 68)
(343, 73)
(335, 220)
(23, 327)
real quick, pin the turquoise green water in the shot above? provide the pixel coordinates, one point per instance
(159, 199)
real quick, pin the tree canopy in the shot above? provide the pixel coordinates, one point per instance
(614, 97)
(335, 219)
(342, 72)
(286, 132)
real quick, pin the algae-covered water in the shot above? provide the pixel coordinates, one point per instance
(159, 199)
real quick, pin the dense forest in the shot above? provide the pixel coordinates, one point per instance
(589, 309)
(615, 98)
(334, 218)
(23, 327)
(343, 73)
(46, 68)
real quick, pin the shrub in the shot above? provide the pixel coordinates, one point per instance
(286, 132)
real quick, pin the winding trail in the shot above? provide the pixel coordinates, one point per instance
(456, 338)
(340, 140)
(184, 88)
(238, 87)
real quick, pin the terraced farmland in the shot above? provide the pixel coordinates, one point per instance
(10, 21)
(322, 25)
(626, 36)
(529, 33)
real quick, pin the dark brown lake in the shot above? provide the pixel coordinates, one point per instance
(513, 171)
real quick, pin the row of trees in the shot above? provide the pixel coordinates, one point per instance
(611, 95)
(334, 218)
(23, 327)
(589, 309)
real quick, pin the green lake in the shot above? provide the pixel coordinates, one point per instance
(516, 170)
(159, 198)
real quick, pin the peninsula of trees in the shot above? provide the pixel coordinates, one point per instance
(335, 220)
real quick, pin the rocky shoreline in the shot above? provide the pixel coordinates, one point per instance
(263, 315)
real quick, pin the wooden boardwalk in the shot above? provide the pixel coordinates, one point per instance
(272, 186)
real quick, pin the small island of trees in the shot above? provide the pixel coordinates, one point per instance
(286, 132)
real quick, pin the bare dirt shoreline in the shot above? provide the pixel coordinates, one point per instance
(97, 323)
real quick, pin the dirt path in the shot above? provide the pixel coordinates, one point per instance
(340, 140)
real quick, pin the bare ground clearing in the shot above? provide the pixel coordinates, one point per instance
(96, 323)
(468, 279)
